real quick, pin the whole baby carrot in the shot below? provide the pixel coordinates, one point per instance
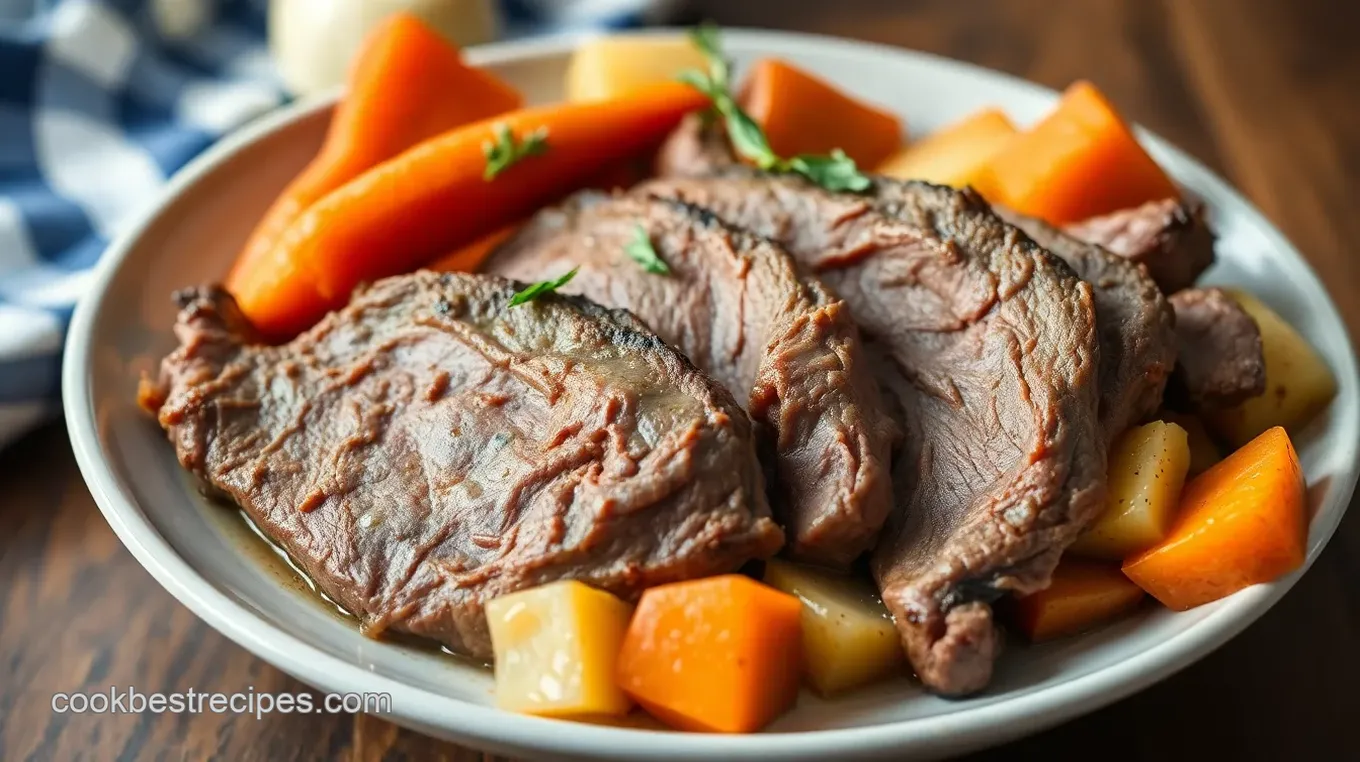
(406, 84)
(442, 195)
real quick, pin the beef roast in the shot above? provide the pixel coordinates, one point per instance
(427, 448)
(1137, 327)
(1221, 360)
(697, 147)
(1168, 237)
(735, 305)
(990, 347)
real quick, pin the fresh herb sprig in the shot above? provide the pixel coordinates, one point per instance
(535, 290)
(642, 252)
(835, 172)
(505, 152)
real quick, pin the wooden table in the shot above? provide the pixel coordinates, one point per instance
(1263, 91)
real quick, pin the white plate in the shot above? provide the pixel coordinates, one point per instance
(122, 329)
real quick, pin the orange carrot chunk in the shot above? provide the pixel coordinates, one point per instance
(720, 654)
(406, 84)
(802, 114)
(1080, 161)
(1241, 523)
(1082, 595)
(435, 198)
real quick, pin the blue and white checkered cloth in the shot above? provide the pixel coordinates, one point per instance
(100, 102)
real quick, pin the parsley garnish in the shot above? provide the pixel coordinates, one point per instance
(533, 291)
(836, 172)
(505, 152)
(642, 252)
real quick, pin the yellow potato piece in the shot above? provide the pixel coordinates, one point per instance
(612, 66)
(954, 154)
(556, 648)
(1298, 383)
(848, 638)
(1204, 451)
(1146, 473)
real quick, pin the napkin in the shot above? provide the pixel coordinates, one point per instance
(100, 102)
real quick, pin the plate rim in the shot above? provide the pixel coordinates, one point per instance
(486, 726)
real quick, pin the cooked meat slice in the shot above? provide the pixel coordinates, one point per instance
(427, 449)
(1221, 363)
(990, 346)
(735, 305)
(1169, 237)
(697, 147)
(1137, 328)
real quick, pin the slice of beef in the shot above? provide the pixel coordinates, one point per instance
(1137, 327)
(1168, 237)
(735, 305)
(428, 448)
(1221, 360)
(989, 345)
(697, 147)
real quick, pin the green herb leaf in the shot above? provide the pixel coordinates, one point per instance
(642, 252)
(707, 38)
(836, 172)
(532, 292)
(505, 152)
(747, 137)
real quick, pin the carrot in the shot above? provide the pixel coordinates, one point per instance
(1080, 161)
(1082, 594)
(720, 654)
(470, 257)
(406, 84)
(802, 114)
(1242, 522)
(434, 198)
(953, 155)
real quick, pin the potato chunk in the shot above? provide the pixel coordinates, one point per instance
(848, 638)
(1204, 451)
(556, 648)
(1082, 595)
(1146, 472)
(1298, 383)
(955, 154)
(611, 66)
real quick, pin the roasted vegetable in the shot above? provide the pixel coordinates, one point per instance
(1146, 472)
(1298, 383)
(1080, 161)
(954, 154)
(802, 114)
(609, 67)
(1082, 595)
(1204, 451)
(720, 654)
(435, 198)
(1241, 523)
(848, 638)
(557, 650)
(406, 85)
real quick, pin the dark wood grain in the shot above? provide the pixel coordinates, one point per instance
(1263, 91)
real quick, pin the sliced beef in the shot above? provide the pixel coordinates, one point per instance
(989, 345)
(1137, 327)
(1221, 361)
(1168, 237)
(735, 305)
(428, 448)
(697, 147)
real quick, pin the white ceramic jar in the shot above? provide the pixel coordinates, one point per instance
(312, 41)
